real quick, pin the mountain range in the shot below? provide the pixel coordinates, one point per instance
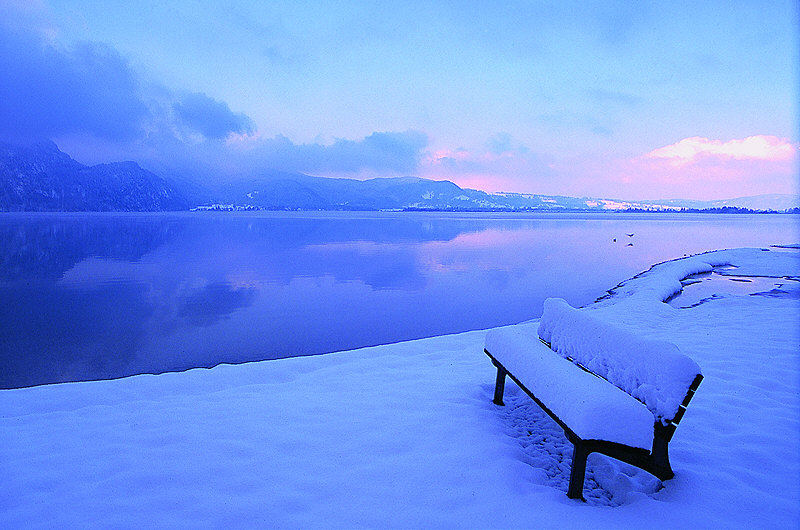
(302, 192)
(40, 177)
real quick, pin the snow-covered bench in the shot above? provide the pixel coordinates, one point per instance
(612, 391)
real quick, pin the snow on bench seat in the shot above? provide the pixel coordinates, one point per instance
(593, 409)
(653, 371)
(623, 394)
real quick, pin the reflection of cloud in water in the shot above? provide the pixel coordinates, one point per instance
(170, 292)
(207, 305)
(379, 265)
(480, 250)
(402, 265)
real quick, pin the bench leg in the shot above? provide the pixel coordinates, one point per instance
(499, 386)
(578, 472)
(660, 458)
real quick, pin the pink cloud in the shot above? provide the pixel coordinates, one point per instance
(693, 168)
(490, 169)
(449, 157)
(760, 147)
(704, 168)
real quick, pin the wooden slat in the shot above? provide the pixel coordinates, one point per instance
(681, 411)
(696, 383)
(689, 395)
(688, 398)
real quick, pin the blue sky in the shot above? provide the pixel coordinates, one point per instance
(630, 100)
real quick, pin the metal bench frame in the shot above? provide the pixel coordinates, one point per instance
(655, 461)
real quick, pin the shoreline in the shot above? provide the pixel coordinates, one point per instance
(405, 434)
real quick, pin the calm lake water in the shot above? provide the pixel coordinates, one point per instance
(99, 296)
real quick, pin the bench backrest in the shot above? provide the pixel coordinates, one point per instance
(653, 371)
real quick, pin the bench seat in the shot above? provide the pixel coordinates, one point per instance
(592, 408)
(610, 390)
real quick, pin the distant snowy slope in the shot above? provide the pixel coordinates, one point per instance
(773, 201)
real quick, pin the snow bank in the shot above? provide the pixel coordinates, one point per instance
(663, 280)
(653, 371)
(592, 408)
(406, 436)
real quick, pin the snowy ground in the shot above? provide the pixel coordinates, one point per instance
(406, 435)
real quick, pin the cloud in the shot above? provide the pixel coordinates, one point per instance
(211, 118)
(88, 96)
(501, 165)
(398, 151)
(98, 108)
(499, 150)
(502, 143)
(698, 168)
(696, 149)
(46, 91)
(380, 153)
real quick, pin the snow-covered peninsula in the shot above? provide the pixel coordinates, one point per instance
(405, 435)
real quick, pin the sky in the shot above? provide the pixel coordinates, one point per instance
(614, 99)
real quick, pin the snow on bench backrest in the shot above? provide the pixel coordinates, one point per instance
(653, 371)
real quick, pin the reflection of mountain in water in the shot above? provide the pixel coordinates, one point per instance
(52, 333)
(46, 245)
(89, 296)
(77, 306)
(369, 248)
(34, 247)
(282, 231)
